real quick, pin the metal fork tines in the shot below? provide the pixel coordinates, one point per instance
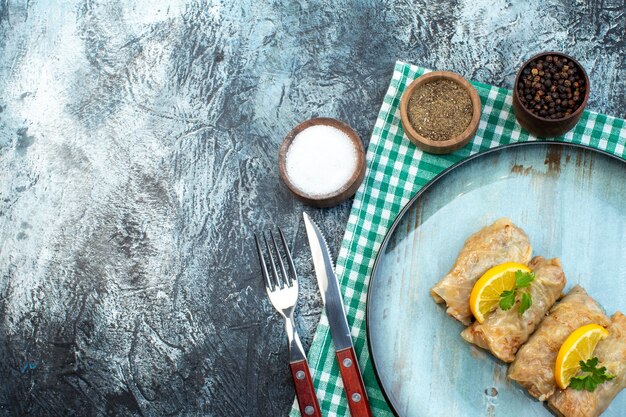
(282, 288)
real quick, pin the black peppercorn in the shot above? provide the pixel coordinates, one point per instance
(551, 87)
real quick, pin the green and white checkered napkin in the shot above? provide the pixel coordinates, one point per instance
(396, 170)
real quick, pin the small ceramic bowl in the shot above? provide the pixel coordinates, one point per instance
(440, 146)
(540, 126)
(348, 189)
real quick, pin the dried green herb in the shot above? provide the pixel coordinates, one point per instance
(440, 110)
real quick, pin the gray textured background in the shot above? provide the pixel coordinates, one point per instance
(138, 147)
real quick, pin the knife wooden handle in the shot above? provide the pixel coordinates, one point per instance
(353, 383)
(305, 392)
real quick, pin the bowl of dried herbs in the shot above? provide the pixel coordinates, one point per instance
(440, 112)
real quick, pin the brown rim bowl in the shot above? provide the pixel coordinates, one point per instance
(440, 146)
(541, 126)
(348, 189)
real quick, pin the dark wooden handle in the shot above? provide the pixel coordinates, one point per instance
(353, 383)
(305, 392)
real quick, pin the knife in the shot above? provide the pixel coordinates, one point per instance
(339, 329)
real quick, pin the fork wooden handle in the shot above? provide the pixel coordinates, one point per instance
(305, 392)
(353, 383)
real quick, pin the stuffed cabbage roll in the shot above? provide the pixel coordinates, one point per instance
(533, 367)
(495, 244)
(611, 353)
(504, 331)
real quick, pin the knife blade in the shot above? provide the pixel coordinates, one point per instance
(336, 314)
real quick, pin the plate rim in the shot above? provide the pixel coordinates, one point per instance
(417, 195)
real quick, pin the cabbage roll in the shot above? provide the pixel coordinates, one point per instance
(611, 353)
(504, 331)
(533, 367)
(501, 242)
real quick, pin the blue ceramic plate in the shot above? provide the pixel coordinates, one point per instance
(570, 200)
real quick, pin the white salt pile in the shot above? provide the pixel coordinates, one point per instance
(320, 160)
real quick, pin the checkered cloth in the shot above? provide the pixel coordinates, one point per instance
(396, 170)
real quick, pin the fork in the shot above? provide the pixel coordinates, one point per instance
(282, 289)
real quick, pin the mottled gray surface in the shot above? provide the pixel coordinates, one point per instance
(138, 147)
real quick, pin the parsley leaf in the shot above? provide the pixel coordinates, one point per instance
(526, 302)
(591, 376)
(507, 299)
(590, 365)
(523, 279)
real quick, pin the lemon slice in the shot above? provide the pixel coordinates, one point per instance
(486, 292)
(578, 346)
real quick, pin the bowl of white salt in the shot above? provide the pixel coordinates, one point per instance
(322, 161)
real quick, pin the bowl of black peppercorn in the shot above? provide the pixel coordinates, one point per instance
(551, 91)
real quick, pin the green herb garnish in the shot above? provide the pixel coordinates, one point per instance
(523, 279)
(526, 302)
(592, 376)
(508, 297)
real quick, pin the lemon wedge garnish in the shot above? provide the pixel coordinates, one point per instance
(486, 293)
(578, 346)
